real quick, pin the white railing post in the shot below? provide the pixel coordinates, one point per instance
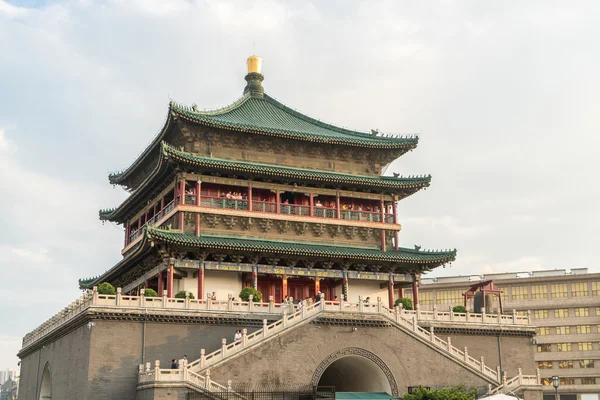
(223, 347)
(284, 320)
(418, 311)
(202, 358)
(467, 315)
(230, 303)
(449, 344)
(451, 314)
(414, 323)
(271, 305)
(187, 300)
(304, 312)
(360, 304)
(244, 337)
(341, 304)
(156, 370)
(142, 299)
(466, 354)
(379, 305)
(229, 384)
(431, 334)
(397, 309)
(165, 299)
(514, 315)
(207, 379)
(434, 312)
(498, 374)
(538, 376)
(528, 317)
(483, 316)
(141, 369)
(185, 370)
(482, 365)
(250, 300)
(95, 295)
(504, 378)
(520, 376)
(208, 302)
(499, 318)
(118, 296)
(264, 328)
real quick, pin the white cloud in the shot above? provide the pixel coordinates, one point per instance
(523, 264)
(11, 11)
(447, 224)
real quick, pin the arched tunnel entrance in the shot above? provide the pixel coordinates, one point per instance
(355, 370)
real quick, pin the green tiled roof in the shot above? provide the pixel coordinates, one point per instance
(409, 256)
(413, 182)
(265, 115)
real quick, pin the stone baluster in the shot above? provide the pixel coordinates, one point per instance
(207, 379)
(157, 370)
(418, 311)
(148, 367)
(397, 313)
(202, 358)
(431, 334)
(165, 299)
(528, 317)
(187, 300)
(185, 370)
(230, 303)
(284, 319)
(341, 304)
(208, 302)
(95, 295)
(141, 369)
(264, 328)
(538, 376)
(271, 305)
(504, 378)
(451, 312)
(520, 376)
(229, 384)
(435, 312)
(303, 311)
(514, 315)
(119, 296)
(482, 365)
(499, 317)
(142, 298)
(483, 316)
(466, 354)
(361, 305)
(449, 344)
(414, 323)
(223, 347)
(244, 337)
(467, 315)
(498, 373)
(489, 388)
(250, 300)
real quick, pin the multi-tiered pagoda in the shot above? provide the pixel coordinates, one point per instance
(257, 194)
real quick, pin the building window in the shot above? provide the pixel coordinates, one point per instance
(541, 314)
(564, 346)
(584, 329)
(584, 346)
(565, 364)
(542, 331)
(563, 330)
(579, 289)
(586, 363)
(449, 297)
(426, 298)
(588, 381)
(544, 348)
(545, 364)
(567, 381)
(595, 288)
(539, 292)
(504, 294)
(561, 313)
(598, 311)
(558, 290)
(519, 293)
(582, 312)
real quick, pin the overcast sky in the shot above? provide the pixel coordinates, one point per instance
(505, 96)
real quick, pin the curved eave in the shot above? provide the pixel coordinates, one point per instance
(423, 258)
(139, 250)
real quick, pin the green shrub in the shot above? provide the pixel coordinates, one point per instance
(457, 393)
(106, 288)
(459, 309)
(181, 295)
(247, 292)
(406, 303)
(150, 293)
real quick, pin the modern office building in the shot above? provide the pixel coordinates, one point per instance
(564, 307)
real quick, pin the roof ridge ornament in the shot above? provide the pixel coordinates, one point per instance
(254, 77)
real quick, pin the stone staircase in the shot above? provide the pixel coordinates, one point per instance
(197, 373)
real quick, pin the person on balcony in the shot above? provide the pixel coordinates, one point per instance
(318, 204)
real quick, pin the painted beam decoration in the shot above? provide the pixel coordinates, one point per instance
(291, 271)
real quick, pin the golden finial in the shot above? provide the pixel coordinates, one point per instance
(254, 64)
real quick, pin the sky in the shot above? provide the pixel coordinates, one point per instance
(504, 95)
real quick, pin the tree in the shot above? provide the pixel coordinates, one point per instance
(459, 309)
(456, 393)
(106, 288)
(150, 293)
(247, 292)
(407, 304)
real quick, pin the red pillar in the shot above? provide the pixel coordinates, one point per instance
(317, 285)
(161, 283)
(255, 277)
(338, 205)
(415, 288)
(170, 281)
(249, 197)
(382, 210)
(396, 233)
(284, 286)
(201, 282)
(182, 189)
(146, 284)
(391, 291)
(278, 201)
(311, 205)
(400, 293)
(126, 234)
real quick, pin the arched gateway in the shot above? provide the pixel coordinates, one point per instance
(46, 384)
(355, 370)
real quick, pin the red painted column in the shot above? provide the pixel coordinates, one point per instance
(338, 205)
(396, 233)
(126, 233)
(255, 277)
(382, 210)
(161, 283)
(311, 205)
(249, 197)
(198, 187)
(400, 293)
(182, 189)
(201, 282)
(162, 206)
(146, 284)
(415, 288)
(278, 200)
(317, 285)
(391, 291)
(284, 286)
(170, 281)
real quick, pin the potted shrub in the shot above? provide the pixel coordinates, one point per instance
(459, 309)
(106, 288)
(407, 304)
(150, 293)
(181, 295)
(247, 292)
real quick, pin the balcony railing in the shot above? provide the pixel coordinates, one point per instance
(222, 202)
(325, 212)
(190, 199)
(293, 209)
(264, 206)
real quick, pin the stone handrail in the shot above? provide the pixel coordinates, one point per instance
(268, 331)
(511, 385)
